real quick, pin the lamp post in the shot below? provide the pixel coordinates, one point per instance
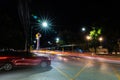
(44, 24)
(88, 39)
(57, 40)
(100, 39)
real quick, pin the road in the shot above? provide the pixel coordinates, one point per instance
(67, 68)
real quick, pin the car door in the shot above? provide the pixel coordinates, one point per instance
(32, 60)
(27, 59)
(21, 59)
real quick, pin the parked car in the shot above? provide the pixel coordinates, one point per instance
(11, 59)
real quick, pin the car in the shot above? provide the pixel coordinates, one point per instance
(11, 59)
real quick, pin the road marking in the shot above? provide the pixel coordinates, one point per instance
(68, 76)
(81, 70)
(63, 73)
(116, 73)
(67, 68)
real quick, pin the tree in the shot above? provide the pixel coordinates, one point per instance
(24, 15)
(94, 34)
(118, 42)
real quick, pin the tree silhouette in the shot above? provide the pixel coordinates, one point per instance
(94, 34)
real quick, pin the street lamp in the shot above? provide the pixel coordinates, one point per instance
(45, 24)
(88, 38)
(42, 24)
(49, 42)
(83, 29)
(57, 40)
(100, 39)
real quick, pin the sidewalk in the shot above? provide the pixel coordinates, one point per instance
(110, 57)
(103, 58)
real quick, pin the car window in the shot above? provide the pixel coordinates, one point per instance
(17, 54)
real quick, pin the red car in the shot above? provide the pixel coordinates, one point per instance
(9, 60)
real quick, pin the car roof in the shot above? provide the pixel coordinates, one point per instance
(14, 53)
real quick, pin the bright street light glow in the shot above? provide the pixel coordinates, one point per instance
(57, 40)
(83, 29)
(44, 24)
(88, 37)
(49, 42)
(100, 39)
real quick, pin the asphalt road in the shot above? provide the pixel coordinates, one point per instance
(67, 68)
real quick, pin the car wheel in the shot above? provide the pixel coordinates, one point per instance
(7, 66)
(43, 64)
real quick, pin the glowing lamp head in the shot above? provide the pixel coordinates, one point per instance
(88, 37)
(83, 29)
(44, 24)
(100, 39)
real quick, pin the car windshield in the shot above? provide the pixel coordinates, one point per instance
(59, 40)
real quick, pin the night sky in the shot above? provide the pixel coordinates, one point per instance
(65, 15)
